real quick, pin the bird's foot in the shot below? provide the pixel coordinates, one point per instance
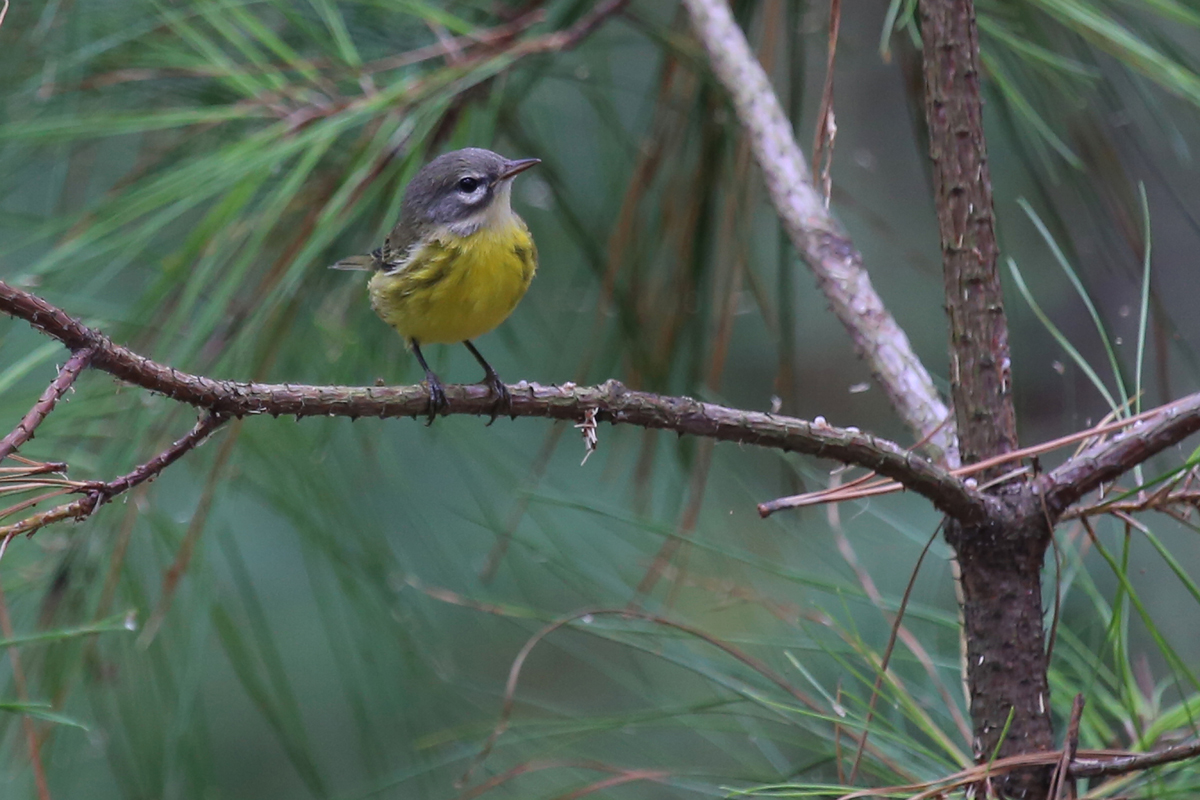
(437, 398)
(503, 402)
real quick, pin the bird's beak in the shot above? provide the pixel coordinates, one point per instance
(517, 167)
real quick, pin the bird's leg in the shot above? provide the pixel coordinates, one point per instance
(493, 382)
(437, 395)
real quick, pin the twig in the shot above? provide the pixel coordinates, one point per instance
(816, 236)
(1060, 782)
(1089, 764)
(486, 37)
(611, 401)
(628, 776)
(1155, 502)
(1092, 767)
(590, 438)
(822, 159)
(859, 488)
(100, 493)
(45, 404)
(565, 40)
(1103, 463)
(555, 42)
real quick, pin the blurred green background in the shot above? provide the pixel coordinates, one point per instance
(353, 595)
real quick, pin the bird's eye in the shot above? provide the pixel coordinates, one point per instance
(468, 185)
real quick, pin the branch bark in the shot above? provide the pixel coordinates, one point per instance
(97, 494)
(1106, 462)
(46, 403)
(611, 402)
(1001, 560)
(1084, 767)
(980, 366)
(817, 237)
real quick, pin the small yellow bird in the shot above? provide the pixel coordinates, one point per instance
(457, 263)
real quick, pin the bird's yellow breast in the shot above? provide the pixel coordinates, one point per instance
(454, 288)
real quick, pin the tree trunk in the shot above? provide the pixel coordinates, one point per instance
(1001, 565)
(1000, 559)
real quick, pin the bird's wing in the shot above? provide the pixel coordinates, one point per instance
(397, 250)
(401, 243)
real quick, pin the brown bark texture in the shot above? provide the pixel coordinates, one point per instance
(979, 359)
(1001, 559)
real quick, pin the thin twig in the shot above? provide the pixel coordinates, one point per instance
(488, 37)
(1087, 764)
(839, 494)
(1061, 782)
(45, 404)
(1155, 502)
(822, 159)
(100, 493)
(1092, 767)
(1161, 428)
(565, 40)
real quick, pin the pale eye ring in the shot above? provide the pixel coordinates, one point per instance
(468, 185)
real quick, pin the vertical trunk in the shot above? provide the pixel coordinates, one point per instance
(1006, 655)
(979, 361)
(1001, 560)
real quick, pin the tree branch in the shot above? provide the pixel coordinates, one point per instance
(1106, 462)
(46, 403)
(96, 494)
(817, 237)
(611, 402)
(1085, 767)
(583, 27)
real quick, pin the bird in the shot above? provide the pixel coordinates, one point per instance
(456, 264)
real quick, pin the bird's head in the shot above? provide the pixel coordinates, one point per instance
(464, 190)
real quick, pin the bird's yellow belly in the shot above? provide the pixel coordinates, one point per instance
(457, 288)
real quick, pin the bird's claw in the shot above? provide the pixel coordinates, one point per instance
(437, 399)
(500, 392)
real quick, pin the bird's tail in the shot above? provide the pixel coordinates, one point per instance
(368, 262)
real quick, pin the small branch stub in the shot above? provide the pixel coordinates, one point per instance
(590, 438)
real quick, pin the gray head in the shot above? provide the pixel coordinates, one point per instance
(459, 188)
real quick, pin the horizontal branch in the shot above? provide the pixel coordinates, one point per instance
(1105, 462)
(611, 402)
(1084, 767)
